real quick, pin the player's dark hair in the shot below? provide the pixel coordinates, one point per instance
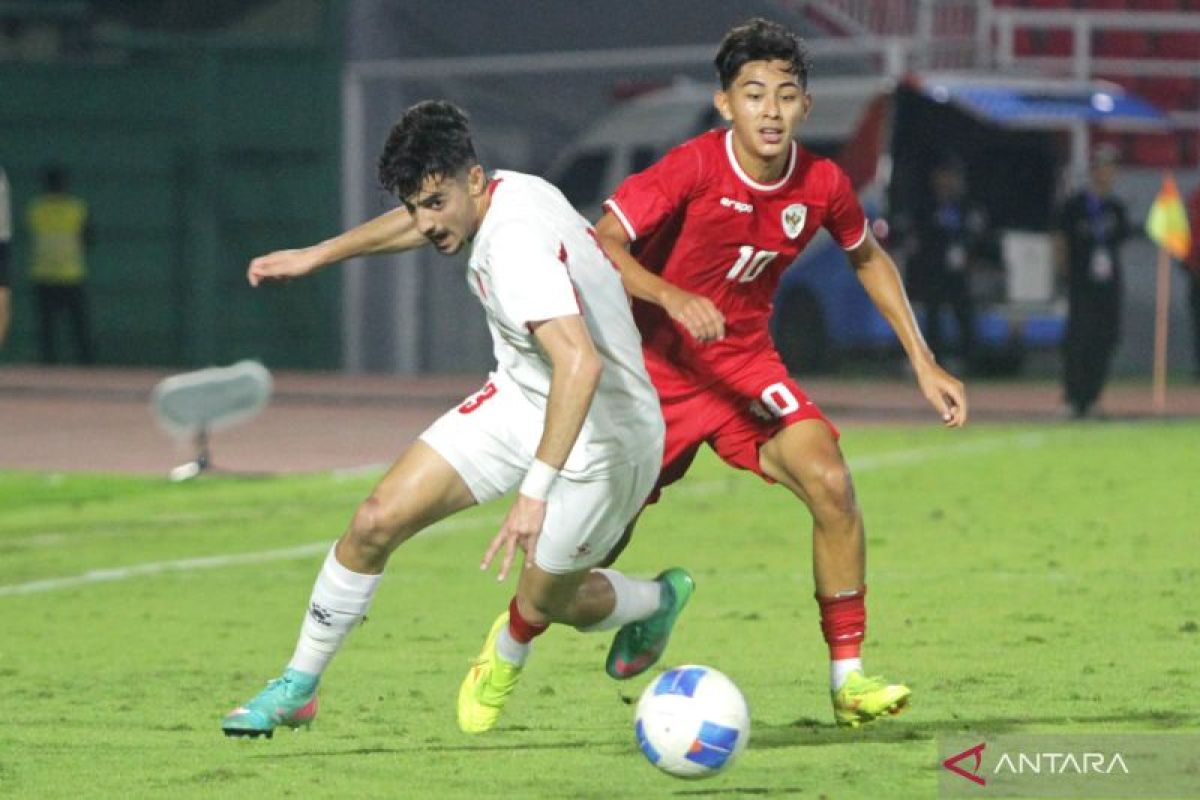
(760, 40)
(431, 140)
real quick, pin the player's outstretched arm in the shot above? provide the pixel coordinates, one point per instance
(881, 279)
(392, 232)
(575, 374)
(697, 313)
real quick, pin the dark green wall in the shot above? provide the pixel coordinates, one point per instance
(194, 158)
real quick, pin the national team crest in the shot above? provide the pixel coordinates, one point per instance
(793, 219)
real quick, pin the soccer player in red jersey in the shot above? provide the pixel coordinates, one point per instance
(701, 239)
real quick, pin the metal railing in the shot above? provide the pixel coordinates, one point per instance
(932, 34)
(904, 35)
(1082, 62)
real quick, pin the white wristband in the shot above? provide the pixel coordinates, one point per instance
(538, 480)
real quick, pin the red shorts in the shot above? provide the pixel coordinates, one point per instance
(735, 417)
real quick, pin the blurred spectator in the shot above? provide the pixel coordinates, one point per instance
(5, 238)
(1091, 226)
(947, 234)
(58, 225)
(1193, 269)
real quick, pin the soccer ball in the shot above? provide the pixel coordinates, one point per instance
(692, 722)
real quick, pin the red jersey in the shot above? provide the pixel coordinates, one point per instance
(699, 221)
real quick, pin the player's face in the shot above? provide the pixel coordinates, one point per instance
(449, 209)
(766, 105)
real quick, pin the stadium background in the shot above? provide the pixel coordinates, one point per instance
(1009, 561)
(203, 134)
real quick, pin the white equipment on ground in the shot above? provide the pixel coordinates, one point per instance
(191, 405)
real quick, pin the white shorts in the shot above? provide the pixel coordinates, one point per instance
(585, 515)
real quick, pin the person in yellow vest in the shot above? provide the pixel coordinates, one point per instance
(58, 227)
(5, 236)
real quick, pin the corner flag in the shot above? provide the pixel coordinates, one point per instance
(1167, 227)
(1167, 224)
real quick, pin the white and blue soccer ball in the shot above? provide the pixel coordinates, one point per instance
(692, 722)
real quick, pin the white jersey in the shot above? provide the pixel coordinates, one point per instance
(533, 259)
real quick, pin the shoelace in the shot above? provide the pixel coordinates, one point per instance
(277, 682)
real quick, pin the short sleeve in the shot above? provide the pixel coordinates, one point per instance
(645, 199)
(529, 274)
(845, 221)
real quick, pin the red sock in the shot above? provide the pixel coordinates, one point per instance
(520, 629)
(844, 622)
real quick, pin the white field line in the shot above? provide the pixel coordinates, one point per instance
(207, 562)
(126, 528)
(916, 455)
(858, 465)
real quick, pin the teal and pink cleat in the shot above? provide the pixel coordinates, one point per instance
(638, 645)
(290, 700)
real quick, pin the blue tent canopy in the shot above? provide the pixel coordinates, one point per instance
(1045, 104)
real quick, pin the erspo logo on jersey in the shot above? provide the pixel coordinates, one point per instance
(738, 206)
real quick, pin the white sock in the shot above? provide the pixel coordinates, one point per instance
(839, 669)
(339, 600)
(510, 649)
(636, 600)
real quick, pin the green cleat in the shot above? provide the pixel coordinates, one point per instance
(489, 682)
(862, 699)
(638, 645)
(290, 700)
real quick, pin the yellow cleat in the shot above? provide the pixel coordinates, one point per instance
(487, 686)
(862, 699)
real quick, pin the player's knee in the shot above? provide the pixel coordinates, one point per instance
(831, 487)
(373, 531)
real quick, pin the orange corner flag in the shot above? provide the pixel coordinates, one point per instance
(1167, 224)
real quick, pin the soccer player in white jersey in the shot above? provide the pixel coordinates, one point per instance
(569, 418)
(702, 238)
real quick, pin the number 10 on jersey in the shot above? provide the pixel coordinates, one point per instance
(750, 264)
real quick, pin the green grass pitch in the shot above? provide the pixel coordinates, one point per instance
(1021, 579)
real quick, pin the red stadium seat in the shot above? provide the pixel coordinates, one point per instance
(1103, 5)
(1156, 150)
(1041, 42)
(1171, 93)
(1178, 44)
(1023, 43)
(1052, 4)
(1157, 5)
(1190, 142)
(1121, 44)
